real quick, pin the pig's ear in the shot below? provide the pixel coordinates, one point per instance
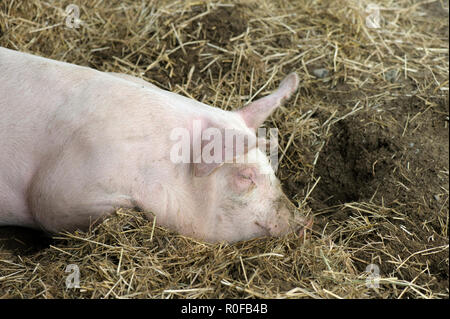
(255, 113)
(221, 146)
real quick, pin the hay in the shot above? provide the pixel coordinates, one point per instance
(364, 145)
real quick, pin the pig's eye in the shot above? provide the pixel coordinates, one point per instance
(247, 177)
(248, 174)
(245, 183)
(244, 180)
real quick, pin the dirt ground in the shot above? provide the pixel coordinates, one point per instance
(365, 148)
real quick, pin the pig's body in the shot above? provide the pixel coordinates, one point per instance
(76, 144)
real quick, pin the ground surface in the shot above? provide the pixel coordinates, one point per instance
(364, 147)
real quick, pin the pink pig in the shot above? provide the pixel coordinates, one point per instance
(76, 144)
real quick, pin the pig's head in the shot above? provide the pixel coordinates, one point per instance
(242, 198)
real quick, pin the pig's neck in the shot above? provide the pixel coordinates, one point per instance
(180, 201)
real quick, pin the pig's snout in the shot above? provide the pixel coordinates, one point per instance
(288, 219)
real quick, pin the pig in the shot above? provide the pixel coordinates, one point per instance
(77, 143)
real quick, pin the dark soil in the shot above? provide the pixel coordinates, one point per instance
(217, 28)
(370, 157)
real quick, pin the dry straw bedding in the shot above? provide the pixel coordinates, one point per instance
(364, 146)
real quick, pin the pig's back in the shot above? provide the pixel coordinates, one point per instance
(44, 105)
(30, 93)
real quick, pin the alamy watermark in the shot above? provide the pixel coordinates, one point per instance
(373, 280)
(373, 17)
(217, 146)
(73, 279)
(73, 16)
